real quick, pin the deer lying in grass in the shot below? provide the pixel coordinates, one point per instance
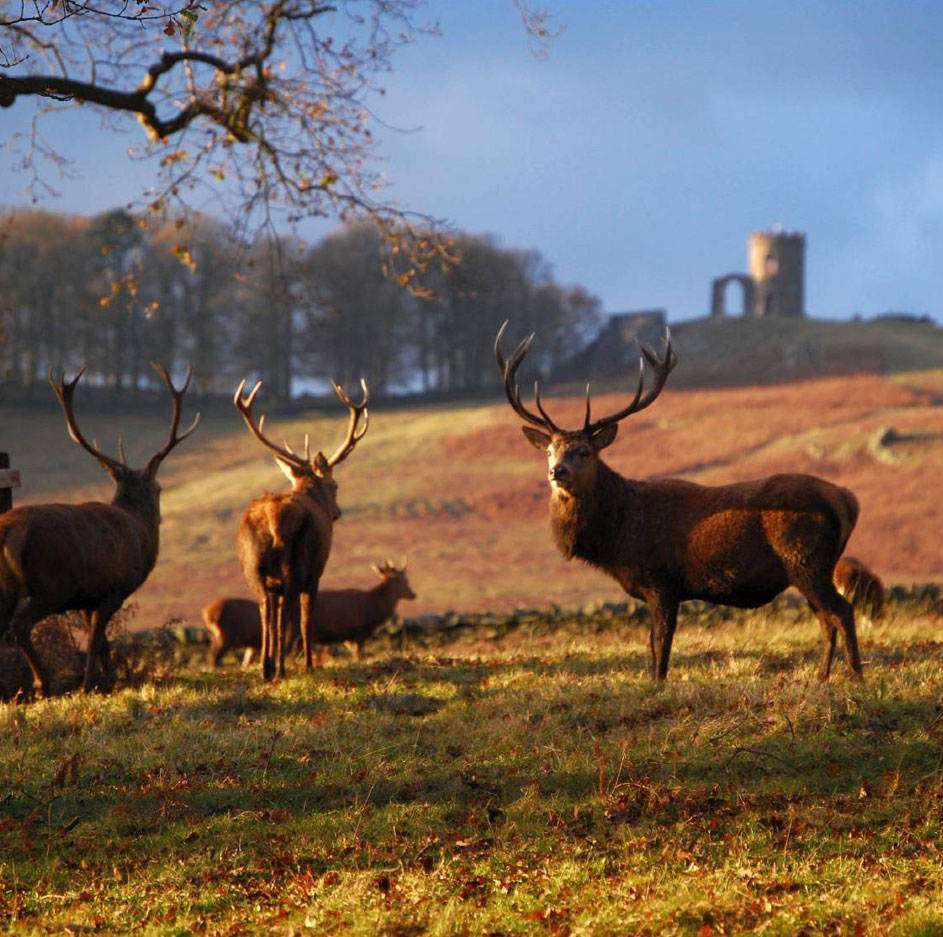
(861, 586)
(284, 539)
(87, 557)
(669, 540)
(339, 615)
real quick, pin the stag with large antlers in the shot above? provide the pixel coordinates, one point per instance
(668, 540)
(84, 557)
(284, 539)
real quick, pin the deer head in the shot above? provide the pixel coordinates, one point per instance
(136, 488)
(395, 575)
(572, 455)
(314, 476)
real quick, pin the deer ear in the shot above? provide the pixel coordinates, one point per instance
(320, 465)
(605, 436)
(537, 438)
(287, 469)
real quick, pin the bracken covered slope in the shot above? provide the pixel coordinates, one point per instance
(459, 491)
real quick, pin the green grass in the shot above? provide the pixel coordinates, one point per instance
(539, 784)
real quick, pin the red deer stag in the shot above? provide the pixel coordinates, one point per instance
(84, 557)
(669, 540)
(284, 539)
(348, 615)
(861, 587)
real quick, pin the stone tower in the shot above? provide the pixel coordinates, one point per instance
(777, 269)
(775, 285)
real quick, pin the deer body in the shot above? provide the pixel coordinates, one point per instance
(670, 540)
(352, 615)
(84, 557)
(283, 544)
(284, 539)
(339, 615)
(729, 544)
(233, 624)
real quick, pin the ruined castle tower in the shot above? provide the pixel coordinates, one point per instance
(777, 269)
(775, 285)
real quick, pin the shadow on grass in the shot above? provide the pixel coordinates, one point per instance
(672, 768)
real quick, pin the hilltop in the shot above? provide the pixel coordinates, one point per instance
(736, 351)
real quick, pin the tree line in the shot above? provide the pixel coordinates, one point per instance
(110, 294)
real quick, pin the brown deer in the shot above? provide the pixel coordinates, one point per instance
(85, 557)
(861, 586)
(284, 539)
(348, 615)
(668, 540)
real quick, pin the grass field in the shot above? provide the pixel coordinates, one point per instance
(459, 491)
(535, 785)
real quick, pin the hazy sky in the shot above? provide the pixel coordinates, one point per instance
(638, 157)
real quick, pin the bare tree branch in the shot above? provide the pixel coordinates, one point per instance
(268, 105)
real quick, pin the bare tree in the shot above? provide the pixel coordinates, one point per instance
(266, 104)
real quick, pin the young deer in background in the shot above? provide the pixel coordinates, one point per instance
(348, 615)
(284, 539)
(861, 586)
(84, 557)
(669, 540)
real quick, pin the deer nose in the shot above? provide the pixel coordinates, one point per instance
(559, 472)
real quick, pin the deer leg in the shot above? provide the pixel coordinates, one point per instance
(287, 622)
(22, 625)
(829, 634)
(269, 614)
(307, 602)
(664, 612)
(834, 612)
(247, 656)
(98, 650)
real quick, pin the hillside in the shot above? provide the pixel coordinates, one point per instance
(737, 351)
(459, 491)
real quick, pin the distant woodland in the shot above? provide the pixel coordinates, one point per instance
(107, 294)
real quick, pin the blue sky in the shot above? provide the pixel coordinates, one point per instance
(638, 156)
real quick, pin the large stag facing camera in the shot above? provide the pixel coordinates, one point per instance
(669, 540)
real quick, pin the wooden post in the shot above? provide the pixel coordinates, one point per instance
(9, 479)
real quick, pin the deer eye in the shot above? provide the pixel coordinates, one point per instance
(582, 452)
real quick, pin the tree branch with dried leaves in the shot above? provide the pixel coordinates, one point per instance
(266, 108)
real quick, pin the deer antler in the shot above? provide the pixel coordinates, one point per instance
(65, 391)
(508, 371)
(661, 367)
(173, 440)
(353, 435)
(244, 406)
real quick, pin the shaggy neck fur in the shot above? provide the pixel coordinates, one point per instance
(588, 526)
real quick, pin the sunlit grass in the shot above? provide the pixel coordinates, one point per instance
(539, 784)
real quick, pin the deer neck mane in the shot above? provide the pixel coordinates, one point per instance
(384, 596)
(311, 489)
(144, 508)
(587, 525)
